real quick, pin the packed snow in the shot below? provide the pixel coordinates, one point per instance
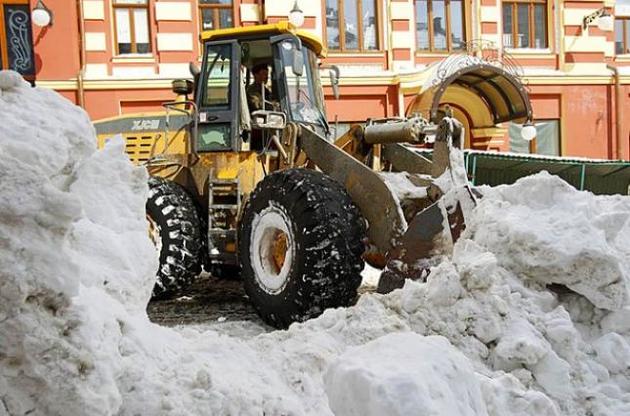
(529, 316)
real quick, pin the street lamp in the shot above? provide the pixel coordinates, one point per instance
(296, 16)
(528, 132)
(41, 15)
(605, 21)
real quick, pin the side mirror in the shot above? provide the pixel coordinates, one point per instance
(333, 72)
(194, 69)
(269, 120)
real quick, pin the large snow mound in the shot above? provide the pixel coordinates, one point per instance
(529, 316)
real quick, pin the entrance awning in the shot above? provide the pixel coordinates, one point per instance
(501, 91)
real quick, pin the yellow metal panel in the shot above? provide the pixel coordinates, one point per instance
(229, 165)
(313, 41)
(140, 147)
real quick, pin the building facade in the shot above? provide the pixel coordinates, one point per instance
(120, 56)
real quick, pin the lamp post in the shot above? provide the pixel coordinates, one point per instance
(528, 132)
(296, 16)
(605, 21)
(41, 15)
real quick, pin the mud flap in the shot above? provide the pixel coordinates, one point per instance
(432, 232)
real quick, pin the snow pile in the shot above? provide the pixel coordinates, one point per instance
(76, 272)
(412, 375)
(552, 234)
(530, 315)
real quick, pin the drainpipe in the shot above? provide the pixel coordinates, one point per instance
(80, 74)
(477, 32)
(559, 40)
(390, 27)
(618, 140)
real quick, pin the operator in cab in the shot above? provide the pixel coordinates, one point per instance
(254, 90)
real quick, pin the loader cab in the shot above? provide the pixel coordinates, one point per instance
(225, 121)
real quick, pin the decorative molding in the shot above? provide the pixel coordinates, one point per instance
(401, 40)
(58, 85)
(489, 14)
(402, 11)
(93, 10)
(133, 71)
(585, 43)
(174, 70)
(174, 11)
(575, 17)
(95, 41)
(250, 13)
(95, 71)
(174, 41)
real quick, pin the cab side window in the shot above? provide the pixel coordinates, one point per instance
(216, 111)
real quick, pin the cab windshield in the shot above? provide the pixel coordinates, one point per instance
(304, 93)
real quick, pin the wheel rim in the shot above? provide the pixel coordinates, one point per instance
(272, 249)
(155, 233)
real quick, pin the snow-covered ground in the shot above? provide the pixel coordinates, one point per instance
(530, 316)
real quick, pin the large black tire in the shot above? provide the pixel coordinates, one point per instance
(324, 233)
(177, 232)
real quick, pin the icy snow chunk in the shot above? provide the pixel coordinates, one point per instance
(11, 79)
(543, 229)
(403, 374)
(520, 344)
(561, 333)
(617, 321)
(476, 265)
(506, 396)
(554, 375)
(613, 352)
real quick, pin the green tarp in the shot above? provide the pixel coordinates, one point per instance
(604, 177)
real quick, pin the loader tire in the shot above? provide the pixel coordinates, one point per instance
(300, 246)
(175, 228)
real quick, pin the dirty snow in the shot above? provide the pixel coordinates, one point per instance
(401, 186)
(530, 316)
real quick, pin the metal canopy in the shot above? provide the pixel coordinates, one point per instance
(502, 91)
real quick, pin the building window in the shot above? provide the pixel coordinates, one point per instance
(525, 24)
(216, 14)
(546, 142)
(352, 25)
(622, 27)
(440, 25)
(132, 26)
(622, 35)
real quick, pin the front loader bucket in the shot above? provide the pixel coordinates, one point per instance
(431, 233)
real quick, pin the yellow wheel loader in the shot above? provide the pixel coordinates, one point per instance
(268, 191)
